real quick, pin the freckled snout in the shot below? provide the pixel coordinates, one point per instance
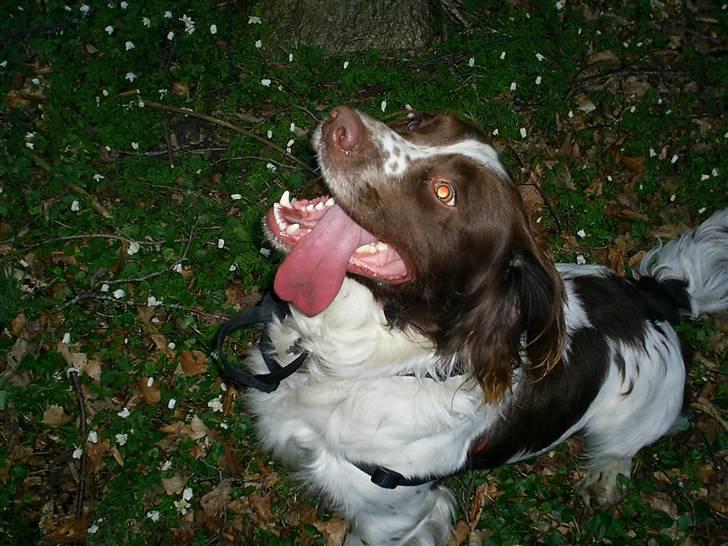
(345, 131)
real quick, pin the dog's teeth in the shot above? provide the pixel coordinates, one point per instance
(309, 208)
(381, 247)
(330, 202)
(286, 199)
(372, 248)
(293, 229)
(319, 206)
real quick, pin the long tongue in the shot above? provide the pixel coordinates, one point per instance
(313, 272)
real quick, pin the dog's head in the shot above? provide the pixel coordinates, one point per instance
(424, 213)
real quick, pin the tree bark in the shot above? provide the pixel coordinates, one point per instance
(340, 26)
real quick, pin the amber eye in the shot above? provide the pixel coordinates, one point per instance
(445, 192)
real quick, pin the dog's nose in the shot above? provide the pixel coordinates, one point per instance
(344, 130)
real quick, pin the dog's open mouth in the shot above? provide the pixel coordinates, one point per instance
(325, 243)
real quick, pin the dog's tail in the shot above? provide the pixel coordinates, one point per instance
(698, 261)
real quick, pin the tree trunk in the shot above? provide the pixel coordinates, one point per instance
(340, 26)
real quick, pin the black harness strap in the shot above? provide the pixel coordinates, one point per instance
(266, 382)
(390, 479)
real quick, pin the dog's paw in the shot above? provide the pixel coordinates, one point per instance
(601, 486)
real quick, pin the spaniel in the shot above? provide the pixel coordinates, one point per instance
(430, 335)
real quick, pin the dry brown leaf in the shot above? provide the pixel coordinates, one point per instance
(71, 354)
(193, 362)
(174, 485)
(635, 164)
(198, 428)
(116, 454)
(54, 417)
(584, 104)
(59, 257)
(93, 369)
(213, 503)
(334, 530)
(17, 325)
(532, 198)
(229, 400)
(71, 531)
(179, 89)
(636, 259)
(160, 343)
(195, 430)
(459, 534)
(263, 506)
(606, 56)
(17, 353)
(150, 392)
(95, 454)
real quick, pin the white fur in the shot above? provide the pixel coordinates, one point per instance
(699, 257)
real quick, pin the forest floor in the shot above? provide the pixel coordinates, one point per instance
(142, 143)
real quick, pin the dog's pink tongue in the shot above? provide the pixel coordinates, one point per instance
(313, 272)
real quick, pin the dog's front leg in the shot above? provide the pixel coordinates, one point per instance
(414, 515)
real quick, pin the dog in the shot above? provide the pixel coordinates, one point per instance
(431, 335)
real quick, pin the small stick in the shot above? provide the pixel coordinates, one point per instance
(98, 207)
(227, 125)
(81, 491)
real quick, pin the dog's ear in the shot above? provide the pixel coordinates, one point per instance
(516, 320)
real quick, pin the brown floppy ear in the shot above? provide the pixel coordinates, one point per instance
(516, 321)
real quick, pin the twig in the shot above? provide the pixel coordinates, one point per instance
(98, 207)
(227, 125)
(136, 279)
(704, 406)
(81, 491)
(532, 182)
(92, 236)
(257, 158)
(102, 297)
(168, 143)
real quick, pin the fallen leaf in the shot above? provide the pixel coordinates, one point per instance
(193, 362)
(95, 454)
(459, 534)
(150, 393)
(93, 369)
(584, 104)
(334, 530)
(213, 503)
(59, 257)
(71, 531)
(71, 354)
(606, 56)
(179, 89)
(18, 352)
(55, 416)
(634, 164)
(262, 504)
(17, 325)
(174, 485)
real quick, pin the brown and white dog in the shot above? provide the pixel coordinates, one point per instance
(440, 338)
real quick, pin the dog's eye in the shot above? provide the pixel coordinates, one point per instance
(445, 192)
(413, 125)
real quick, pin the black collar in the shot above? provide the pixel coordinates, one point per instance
(261, 313)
